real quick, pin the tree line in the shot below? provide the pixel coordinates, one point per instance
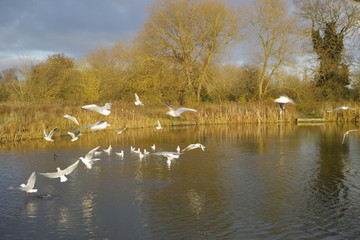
(181, 54)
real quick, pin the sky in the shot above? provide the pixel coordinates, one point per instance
(31, 30)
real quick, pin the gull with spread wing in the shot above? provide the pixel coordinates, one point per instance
(159, 127)
(346, 133)
(282, 100)
(138, 102)
(61, 173)
(193, 146)
(29, 186)
(48, 137)
(342, 108)
(88, 160)
(100, 125)
(74, 136)
(120, 131)
(104, 110)
(177, 112)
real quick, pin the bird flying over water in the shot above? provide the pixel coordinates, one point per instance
(74, 136)
(71, 118)
(346, 133)
(120, 131)
(100, 125)
(29, 186)
(342, 108)
(138, 101)
(88, 160)
(48, 137)
(170, 156)
(61, 173)
(177, 112)
(104, 110)
(193, 146)
(158, 127)
(282, 100)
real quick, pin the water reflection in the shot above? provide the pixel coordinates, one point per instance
(278, 181)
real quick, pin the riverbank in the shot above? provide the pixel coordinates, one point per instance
(26, 120)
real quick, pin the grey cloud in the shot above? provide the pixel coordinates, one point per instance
(67, 26)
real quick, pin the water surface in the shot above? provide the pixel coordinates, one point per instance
(251, 182)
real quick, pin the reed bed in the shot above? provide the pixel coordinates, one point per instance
(27, 120)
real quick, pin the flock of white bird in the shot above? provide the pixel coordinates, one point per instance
(90, 159)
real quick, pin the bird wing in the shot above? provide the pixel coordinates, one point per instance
(181, 110)
(190, 147)
(91, 107)
(120, 131)
(45, 133)
(31, 181)
(137, 98)
(70, 168)
(169, 106)
(91, 153)
(52, 132)
(87, 126)
(159, 124)
(71, 134)
(163, 153)
(52, 175)
(71, 118)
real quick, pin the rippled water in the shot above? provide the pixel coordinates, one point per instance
(251, 182)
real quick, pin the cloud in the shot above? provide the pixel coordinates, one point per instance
(66, 26)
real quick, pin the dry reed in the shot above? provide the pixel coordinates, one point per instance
(26, 120)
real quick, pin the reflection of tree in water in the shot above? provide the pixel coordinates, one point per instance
(329, 194)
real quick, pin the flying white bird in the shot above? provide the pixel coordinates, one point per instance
(88, 160)
(71, 118)
(100, 125)
(29, 186)
(346, 133)
(61, 173)
(120, 131)
(108, 150)
(177, 112)
(193, 146)
(138, 101)
(282, 100)
(178, 149)
(170, 156)
(153, 147)
(158, 127)
(74, 136)
(342, 108)
(104, 110)
(48, 137)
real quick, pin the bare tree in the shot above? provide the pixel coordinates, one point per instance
(191, 35)
(274, 33)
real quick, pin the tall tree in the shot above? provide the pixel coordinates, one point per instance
(333, 22)
(274, 35)
(191, 35)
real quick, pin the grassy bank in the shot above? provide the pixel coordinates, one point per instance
(25, 120)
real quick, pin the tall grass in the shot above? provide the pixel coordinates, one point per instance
(26, 120)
